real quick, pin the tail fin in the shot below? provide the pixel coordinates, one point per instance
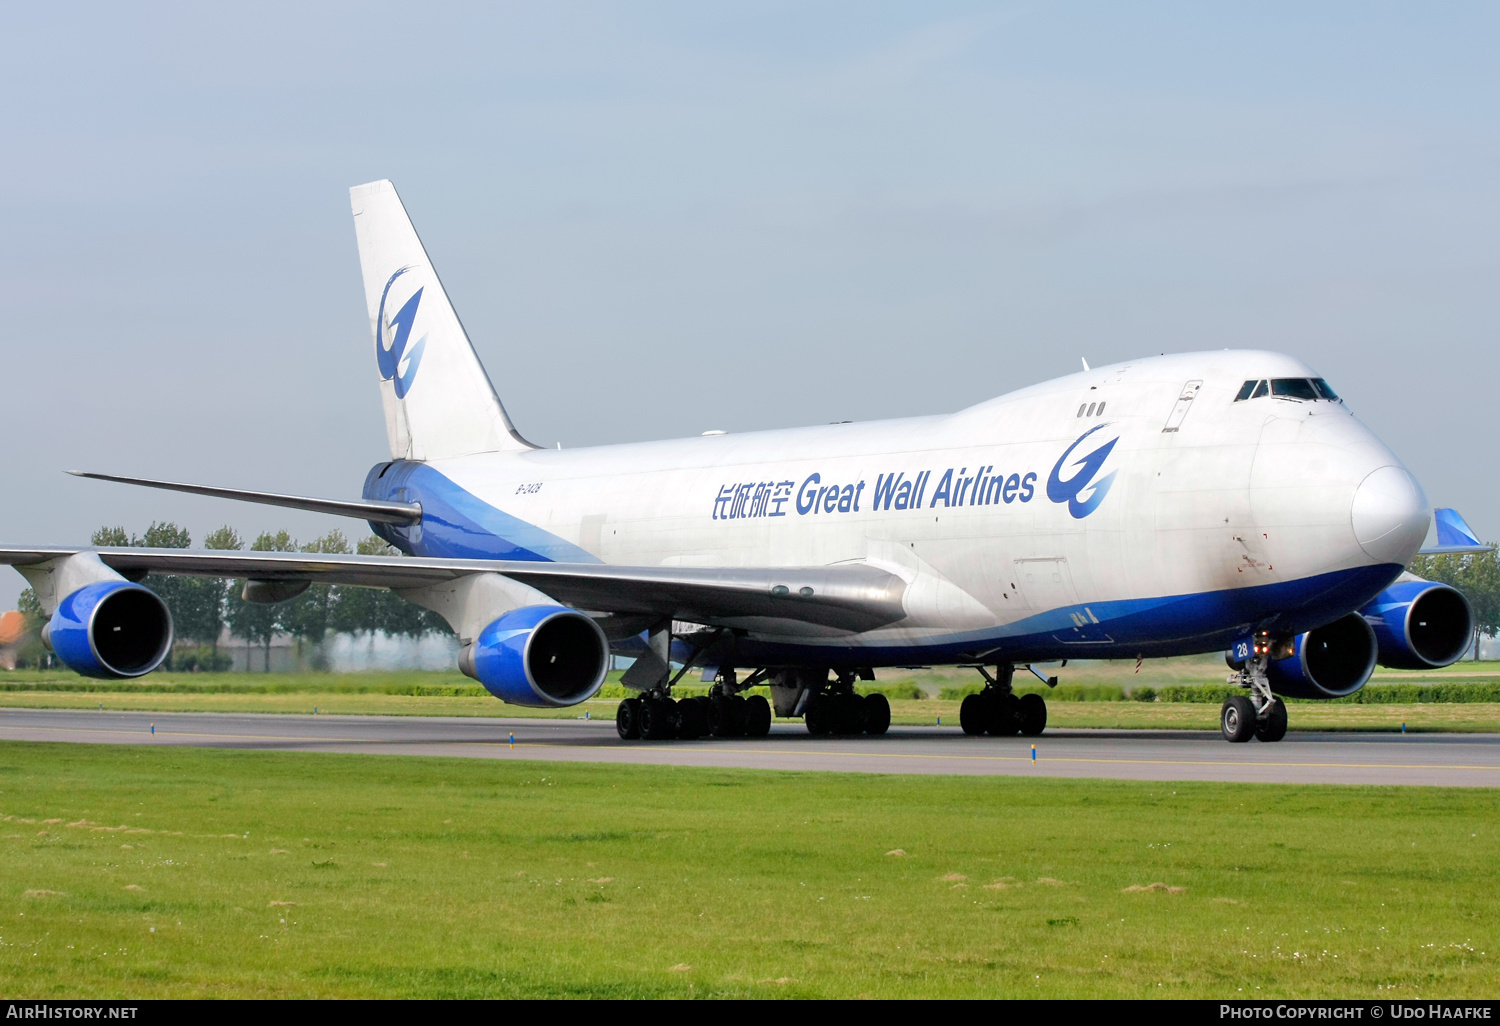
(438, 400)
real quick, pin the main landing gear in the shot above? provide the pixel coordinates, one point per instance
(1260, 714)
(838, 709)
(656, 716)
(997, 710)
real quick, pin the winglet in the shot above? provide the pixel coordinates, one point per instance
(1454, 536)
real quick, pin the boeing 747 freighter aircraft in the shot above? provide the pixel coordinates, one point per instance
(1165, 506)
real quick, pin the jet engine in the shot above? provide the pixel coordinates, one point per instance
(539, 656)
(111, 629)
(1328, 662)
(1420, 625)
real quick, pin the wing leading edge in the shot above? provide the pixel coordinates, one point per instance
(848, 596)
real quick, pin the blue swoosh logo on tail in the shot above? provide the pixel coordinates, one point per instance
(396, 361)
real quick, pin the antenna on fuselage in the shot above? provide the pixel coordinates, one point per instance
(1085, 363)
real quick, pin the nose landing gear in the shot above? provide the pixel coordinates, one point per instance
(1260, 714)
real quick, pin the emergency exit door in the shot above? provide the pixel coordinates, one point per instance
(1184, 402)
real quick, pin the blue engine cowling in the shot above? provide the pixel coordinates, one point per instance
(539, 656)
(1420, 625)
(1328, 662)
(111, 629)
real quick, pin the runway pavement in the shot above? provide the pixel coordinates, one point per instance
(1465, 760)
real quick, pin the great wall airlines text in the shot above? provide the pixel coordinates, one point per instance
(751, 499)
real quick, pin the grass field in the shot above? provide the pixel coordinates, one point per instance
(177, 872)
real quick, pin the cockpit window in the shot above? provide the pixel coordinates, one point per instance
(1293, 388)
(1288, 388)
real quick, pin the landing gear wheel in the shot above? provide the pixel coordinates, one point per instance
(877, 714)
(628, 719)
(718, 716)
(1273, 727)
(819, 715)
(971, 714)
(658, 719)
(692, 718)
(1237, 719)
(1033, 709)
(726, 716)
(848, 714)
(757, 716)
(1005, 715)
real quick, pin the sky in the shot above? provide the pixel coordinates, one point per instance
(657, 219)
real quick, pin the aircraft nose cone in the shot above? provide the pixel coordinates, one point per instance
(1389, 515)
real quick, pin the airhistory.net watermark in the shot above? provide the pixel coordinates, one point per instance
(49, 1010)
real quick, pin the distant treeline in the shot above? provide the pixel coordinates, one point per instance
(203, 606)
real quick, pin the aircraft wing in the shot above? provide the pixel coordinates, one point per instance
(1455, 536)
(847, 596)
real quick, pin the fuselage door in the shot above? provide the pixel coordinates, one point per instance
(1046, 584)
(1184, 401)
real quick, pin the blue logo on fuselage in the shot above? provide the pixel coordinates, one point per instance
(1068, 491)
(396, 361)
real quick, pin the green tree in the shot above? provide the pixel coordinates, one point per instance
(165, 535)
(1477, 576)
(29, 606)
(307, 617)
(216, 593)
(257, 621)
(374, 545)
(395, 615)
(111, 537)
(225, 537)
(372, 610)
(179, 593)
(32, 652)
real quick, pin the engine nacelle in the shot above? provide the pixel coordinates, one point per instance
(1420, 625)
(1328, 662)
(111, 629)
(539, 656)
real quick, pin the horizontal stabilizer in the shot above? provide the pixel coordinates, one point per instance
(363, 509)
(1454, 536)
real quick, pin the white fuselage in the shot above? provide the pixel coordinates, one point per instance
(1157, 547)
